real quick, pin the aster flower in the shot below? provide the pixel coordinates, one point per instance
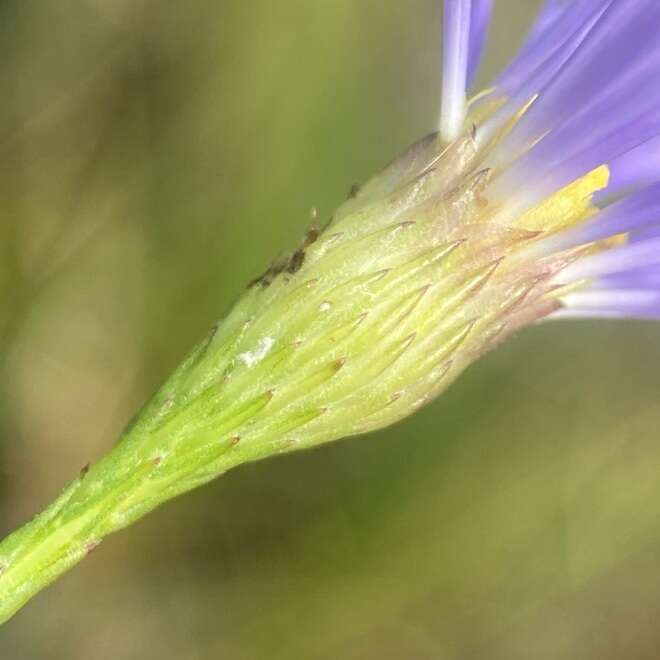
(535, 200)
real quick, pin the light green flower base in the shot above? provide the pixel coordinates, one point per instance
(411, 281)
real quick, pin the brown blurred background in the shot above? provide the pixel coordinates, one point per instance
(154, 157)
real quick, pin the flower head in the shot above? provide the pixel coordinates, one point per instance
(538, 198)
(531, 202)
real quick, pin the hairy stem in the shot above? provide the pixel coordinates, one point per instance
(102, 499)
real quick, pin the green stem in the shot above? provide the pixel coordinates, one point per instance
(103, 499)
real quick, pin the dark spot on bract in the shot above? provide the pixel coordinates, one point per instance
(353, 192)
(92, 545)
(311, 236)
(296, 260)
(290, 264)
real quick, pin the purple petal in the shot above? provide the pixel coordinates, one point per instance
(638, 166)
(553, 33)
(597, 105)
(618, 260)
(626, 301)
(465, 27)
(479, 22)
(456, 48)
(621, 48)
(639, 278)
(635, 212)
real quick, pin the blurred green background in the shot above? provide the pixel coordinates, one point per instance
(154, 157)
